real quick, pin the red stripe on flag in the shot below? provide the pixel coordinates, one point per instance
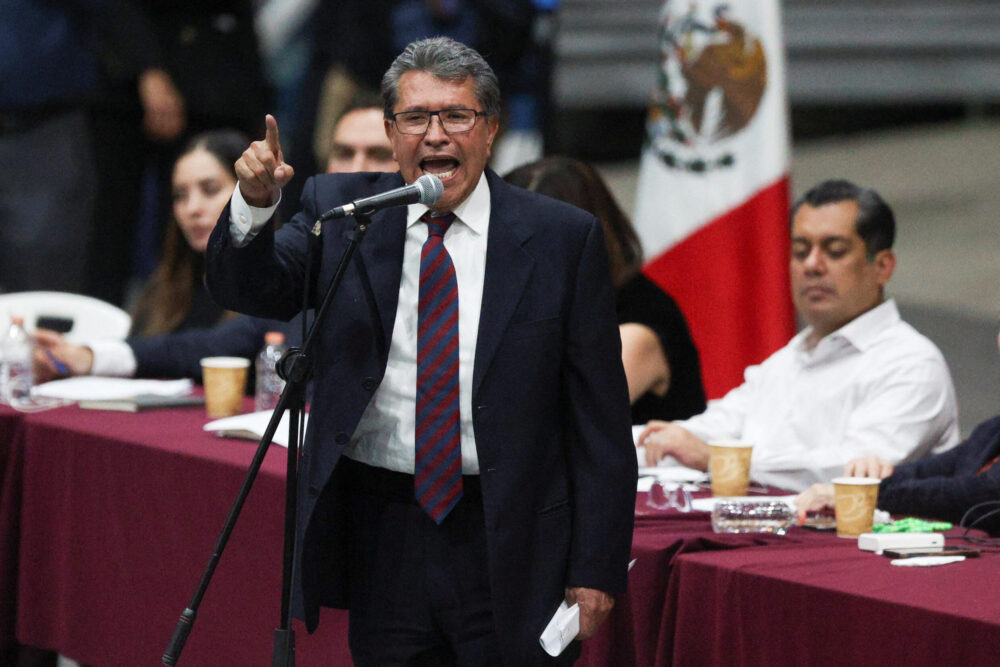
(730, 278)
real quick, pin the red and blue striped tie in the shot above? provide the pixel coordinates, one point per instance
(438, 464)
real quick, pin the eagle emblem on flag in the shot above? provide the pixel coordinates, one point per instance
(712, 77)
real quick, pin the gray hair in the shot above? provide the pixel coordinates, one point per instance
(445, 59)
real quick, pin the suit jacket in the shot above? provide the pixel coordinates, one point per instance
(550, 404)
(946, 485)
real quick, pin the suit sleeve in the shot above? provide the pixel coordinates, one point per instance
(177, 355)
(947, 485)
(602, 460)
(265, 277)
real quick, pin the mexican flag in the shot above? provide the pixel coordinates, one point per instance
(713, 196)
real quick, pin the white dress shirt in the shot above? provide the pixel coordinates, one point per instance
(873, 387)
(385, 436)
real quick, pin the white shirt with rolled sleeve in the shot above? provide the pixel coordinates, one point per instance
(873, 387)
(385, 436)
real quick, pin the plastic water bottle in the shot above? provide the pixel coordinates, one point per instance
(269, 385)
(16, 374)
(761, 516)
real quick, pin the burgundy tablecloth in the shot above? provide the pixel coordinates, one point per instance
(108, 519)
(10, 515)
(119, 515)
(824, 602)
(639, 630)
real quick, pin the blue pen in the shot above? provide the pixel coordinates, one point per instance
(60, 366)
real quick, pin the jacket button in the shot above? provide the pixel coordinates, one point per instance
(341, 438)
(369, 384)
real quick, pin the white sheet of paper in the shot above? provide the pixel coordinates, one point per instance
(674, 472)
(927, 561)
(564, 626)
(109, 389)
(646, 483)
(251, 426)
(561, 630)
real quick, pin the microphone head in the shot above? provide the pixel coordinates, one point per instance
(431, 189)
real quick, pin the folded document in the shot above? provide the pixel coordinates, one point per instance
(564, 626)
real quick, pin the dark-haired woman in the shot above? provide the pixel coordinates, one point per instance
(660, 359)
(175, 298)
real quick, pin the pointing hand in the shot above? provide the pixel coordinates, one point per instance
(262, 170)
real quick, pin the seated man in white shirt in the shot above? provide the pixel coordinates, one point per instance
(857, 381)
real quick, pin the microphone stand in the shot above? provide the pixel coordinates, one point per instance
(295, 367)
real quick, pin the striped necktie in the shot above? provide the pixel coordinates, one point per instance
(438, 455)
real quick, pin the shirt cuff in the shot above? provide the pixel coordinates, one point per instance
(246, 221)
(113, 358)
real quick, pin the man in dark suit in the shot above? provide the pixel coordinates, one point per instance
(464, 471)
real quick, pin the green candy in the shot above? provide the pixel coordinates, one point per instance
(911, 525)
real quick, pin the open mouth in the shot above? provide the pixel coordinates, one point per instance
(443, 167)
(816, 291)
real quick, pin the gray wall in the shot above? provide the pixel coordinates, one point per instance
(839, 51)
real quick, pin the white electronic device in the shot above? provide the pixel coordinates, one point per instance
(878, 542)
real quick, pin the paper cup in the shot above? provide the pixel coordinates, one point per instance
(854, 501)
(729, 467)
(225, 379)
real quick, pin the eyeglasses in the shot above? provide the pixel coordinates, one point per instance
(453, 121)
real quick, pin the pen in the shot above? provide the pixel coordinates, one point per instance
(60, 366)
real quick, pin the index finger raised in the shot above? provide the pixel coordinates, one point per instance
(271, 135)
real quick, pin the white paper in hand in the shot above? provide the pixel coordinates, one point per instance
(564, 626)
(561, 630)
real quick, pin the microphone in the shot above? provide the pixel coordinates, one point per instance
(425, 190)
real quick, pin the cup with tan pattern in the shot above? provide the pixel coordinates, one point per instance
(854, 502)
(225, 379)
(729, 467)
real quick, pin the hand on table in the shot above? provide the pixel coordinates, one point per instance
(663, 439)
(594, 608)
(816, 498)
(262, 170)
(868, 466)
(51, 349)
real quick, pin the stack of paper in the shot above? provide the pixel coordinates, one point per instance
(251, 426)
(110, 389)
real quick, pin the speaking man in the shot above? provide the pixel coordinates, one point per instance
(468, 462)
(857, 381)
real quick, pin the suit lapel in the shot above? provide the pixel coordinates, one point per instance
(380, 264)
(508, 267)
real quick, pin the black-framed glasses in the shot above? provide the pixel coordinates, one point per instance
(452, 120)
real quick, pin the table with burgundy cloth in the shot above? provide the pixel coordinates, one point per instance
(821, 601)
(114, 516)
